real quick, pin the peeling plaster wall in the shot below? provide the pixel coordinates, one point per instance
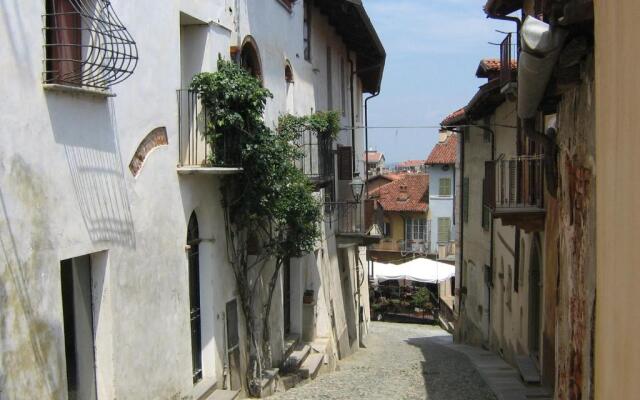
(65, 192)
(576, 211)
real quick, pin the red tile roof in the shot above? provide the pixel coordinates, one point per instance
(374, 156)
(453, 117)
(445, 152)
(409, 193)
(410, 163)
(490, 67)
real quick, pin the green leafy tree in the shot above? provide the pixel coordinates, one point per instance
(271, 214)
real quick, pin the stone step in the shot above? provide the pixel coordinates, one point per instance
(297, 357)
(320, 345)
(528, 370)
(224, 395)
(310, 367)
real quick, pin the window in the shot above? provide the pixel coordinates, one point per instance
(387, 229)
(416, 229)
(444, 230)
(345, 169)
(77, 312)
(486, 218)
(445, 187)
(307, 30)
(193, 240)
(453, 286)
(465, 200)
(250, 60)
(86, 45)
(343, 88)
(329, 80)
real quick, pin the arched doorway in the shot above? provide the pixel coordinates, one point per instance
(535, 290)
(193, 241)
(250, 58)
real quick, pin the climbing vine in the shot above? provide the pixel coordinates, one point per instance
(271, 213)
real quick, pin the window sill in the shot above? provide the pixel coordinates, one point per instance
(54, 87)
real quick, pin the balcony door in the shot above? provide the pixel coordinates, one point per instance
(194, 298)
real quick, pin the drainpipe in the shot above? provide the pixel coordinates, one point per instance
(366, 139)
(353, 116)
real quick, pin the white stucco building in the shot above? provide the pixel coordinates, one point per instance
(441, 167)
(114, 275)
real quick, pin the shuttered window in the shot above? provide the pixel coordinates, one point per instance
(465, 200)
(445, 187)
(345, 170)
(444, 230)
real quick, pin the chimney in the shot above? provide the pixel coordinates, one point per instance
(444, 134)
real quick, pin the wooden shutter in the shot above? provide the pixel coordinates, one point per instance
(64, 39)
(345, 170)
(445, 187)
(444, 230)
(489, 189)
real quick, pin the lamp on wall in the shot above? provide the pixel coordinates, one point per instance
(357, 186)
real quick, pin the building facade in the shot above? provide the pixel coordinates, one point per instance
(115, 276)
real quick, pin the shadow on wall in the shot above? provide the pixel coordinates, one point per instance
(87, 129)
(447, 373)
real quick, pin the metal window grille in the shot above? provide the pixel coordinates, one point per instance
(86, 44)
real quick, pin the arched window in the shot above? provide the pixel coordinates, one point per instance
(193, 240)
(250, 58)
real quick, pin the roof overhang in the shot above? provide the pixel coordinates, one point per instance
(352, 23)
(502, 7)
(486, 100)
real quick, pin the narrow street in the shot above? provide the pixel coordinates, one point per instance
(401, 361)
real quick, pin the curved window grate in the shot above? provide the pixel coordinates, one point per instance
(86, 44)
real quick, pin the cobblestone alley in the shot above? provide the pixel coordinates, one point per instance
(401, 361)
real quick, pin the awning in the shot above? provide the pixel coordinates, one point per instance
(417, 270)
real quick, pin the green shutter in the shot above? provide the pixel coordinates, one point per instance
(465, 200)
(444, 230)
(445, 187)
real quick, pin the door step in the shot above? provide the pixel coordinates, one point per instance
(528, 370)
(296, 358)
(309, 369)
(224, 395)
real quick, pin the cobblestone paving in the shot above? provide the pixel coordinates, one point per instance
(402, 362)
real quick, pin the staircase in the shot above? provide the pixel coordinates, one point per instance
(303, 364)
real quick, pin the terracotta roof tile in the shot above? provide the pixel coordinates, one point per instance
(445, 152)
(490, 67)
(410, 163)
(453, 117)
(409, 193)
(374, 156)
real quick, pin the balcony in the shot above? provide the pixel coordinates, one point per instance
(355, 222)
(508, 70)
(405, 247)
(197, 154)
(317, 157)
(514, 191)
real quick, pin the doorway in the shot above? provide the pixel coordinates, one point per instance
(193, 241)
(77, 310)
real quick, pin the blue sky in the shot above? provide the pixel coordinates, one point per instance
(433, 49)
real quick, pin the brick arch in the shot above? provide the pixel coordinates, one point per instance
(155, 138)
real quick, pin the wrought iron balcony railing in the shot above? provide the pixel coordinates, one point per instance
(515, 184)
(354, 218)
(195, 149)
(317, 161)
(86, 45)
(507, 73)
(421, 247)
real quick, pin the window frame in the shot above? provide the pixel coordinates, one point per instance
(306, 30)
(440, 191)
(448, 231)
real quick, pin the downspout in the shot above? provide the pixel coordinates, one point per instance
(353, 117)
(366, 140)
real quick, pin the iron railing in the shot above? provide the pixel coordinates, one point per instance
(350, 218)
(317, 161)
(86, 44)
(515, 183)
(422, 247)
(507, 74)
(195, 149)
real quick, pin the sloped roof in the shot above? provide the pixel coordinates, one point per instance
(502, 7)
(454, 117)
(445, 152)
(410, 193)
(410, 163)
(374, 156)
(490, 67)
